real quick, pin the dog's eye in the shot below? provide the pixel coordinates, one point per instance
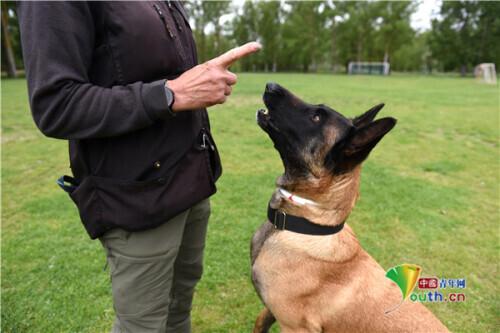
(316, 118)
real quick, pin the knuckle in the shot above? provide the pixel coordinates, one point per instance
(215, 99)
(216, 78)
(222, 75)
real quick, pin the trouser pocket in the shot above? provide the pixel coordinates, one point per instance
(141, 286)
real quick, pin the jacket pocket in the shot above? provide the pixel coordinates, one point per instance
(88, 203)
(106, 203)
(213, 157)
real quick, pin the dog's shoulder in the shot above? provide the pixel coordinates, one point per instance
(259, 238)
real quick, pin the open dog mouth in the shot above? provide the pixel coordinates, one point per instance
(263, 117)
(265, 121)
(265, 112)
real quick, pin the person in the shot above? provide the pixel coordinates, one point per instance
(120, 81)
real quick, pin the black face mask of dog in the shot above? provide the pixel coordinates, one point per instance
(314, 139)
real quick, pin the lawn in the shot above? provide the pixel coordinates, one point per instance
(430, 196)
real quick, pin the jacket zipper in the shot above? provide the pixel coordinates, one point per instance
(174, 16)
(162, 18)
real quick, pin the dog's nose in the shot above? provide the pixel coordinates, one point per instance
(272, 87)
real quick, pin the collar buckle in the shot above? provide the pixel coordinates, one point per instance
(276, 222)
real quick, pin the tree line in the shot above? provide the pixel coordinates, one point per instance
(311, 36)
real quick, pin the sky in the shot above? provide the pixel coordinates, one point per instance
(427, 9)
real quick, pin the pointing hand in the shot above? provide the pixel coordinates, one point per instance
(209, 83)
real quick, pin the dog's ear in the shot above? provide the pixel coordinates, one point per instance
(361, 142)
(367, 117)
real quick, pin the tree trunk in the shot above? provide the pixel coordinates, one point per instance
(9, 52)
(360, 48)
(463, 70)
(334, 48)
(218, 46)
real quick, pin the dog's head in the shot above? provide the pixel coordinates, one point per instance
(314, 140)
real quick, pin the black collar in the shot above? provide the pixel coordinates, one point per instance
(284, 221)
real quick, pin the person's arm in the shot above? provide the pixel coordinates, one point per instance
(58, 40)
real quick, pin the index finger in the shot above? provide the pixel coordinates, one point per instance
(239, 52)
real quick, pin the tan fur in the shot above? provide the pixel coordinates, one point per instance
(328, 283)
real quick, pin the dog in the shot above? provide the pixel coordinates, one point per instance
(308, 267)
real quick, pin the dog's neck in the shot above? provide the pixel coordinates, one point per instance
(330, 200)
(325, 200)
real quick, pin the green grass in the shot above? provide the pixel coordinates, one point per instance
(430, 196)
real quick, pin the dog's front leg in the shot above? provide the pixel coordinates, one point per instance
(264, 321)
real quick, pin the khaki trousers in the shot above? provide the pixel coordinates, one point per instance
(154, 272)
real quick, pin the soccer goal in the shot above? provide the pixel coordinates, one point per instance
(375, 68)
(486, 73)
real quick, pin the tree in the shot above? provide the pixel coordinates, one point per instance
(356, 30)
(488, 33)
(413, 55)
(466, 34)
(269, 30)
(245, 28)
(8, 54)
(394, 28)
(195, 11)
(304, 33)
(212, 12)
(207, 16)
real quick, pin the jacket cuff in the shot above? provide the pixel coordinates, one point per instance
(154, 99)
